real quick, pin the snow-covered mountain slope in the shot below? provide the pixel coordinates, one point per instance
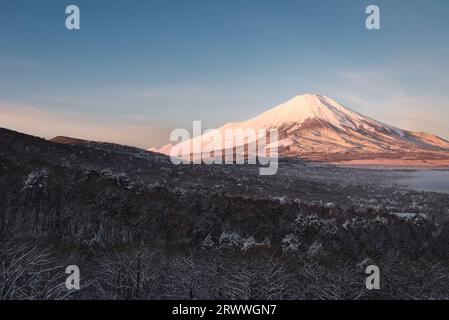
(317, 127)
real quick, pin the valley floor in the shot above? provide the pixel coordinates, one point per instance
(139, 227)
(398, 163)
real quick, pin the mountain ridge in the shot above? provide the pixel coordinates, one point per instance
(316, 127)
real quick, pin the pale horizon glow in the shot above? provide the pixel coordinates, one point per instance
(137, 70)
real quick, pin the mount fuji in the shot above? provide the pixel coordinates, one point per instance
(315, 127)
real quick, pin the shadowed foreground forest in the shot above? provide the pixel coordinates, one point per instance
(139, 227)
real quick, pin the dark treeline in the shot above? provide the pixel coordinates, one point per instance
(138, 238)
(151, 242)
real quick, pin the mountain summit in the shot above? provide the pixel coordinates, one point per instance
(306, 107)
(316, 127)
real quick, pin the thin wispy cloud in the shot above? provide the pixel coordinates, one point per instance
(213, 63)
(381, 94)
(47, 123)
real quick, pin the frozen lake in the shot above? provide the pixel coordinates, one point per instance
(427, 180)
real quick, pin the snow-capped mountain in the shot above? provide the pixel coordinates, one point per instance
(317, 127)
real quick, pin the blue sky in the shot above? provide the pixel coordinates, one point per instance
(138, 69)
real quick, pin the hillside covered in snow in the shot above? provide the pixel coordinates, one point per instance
(315, 127)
